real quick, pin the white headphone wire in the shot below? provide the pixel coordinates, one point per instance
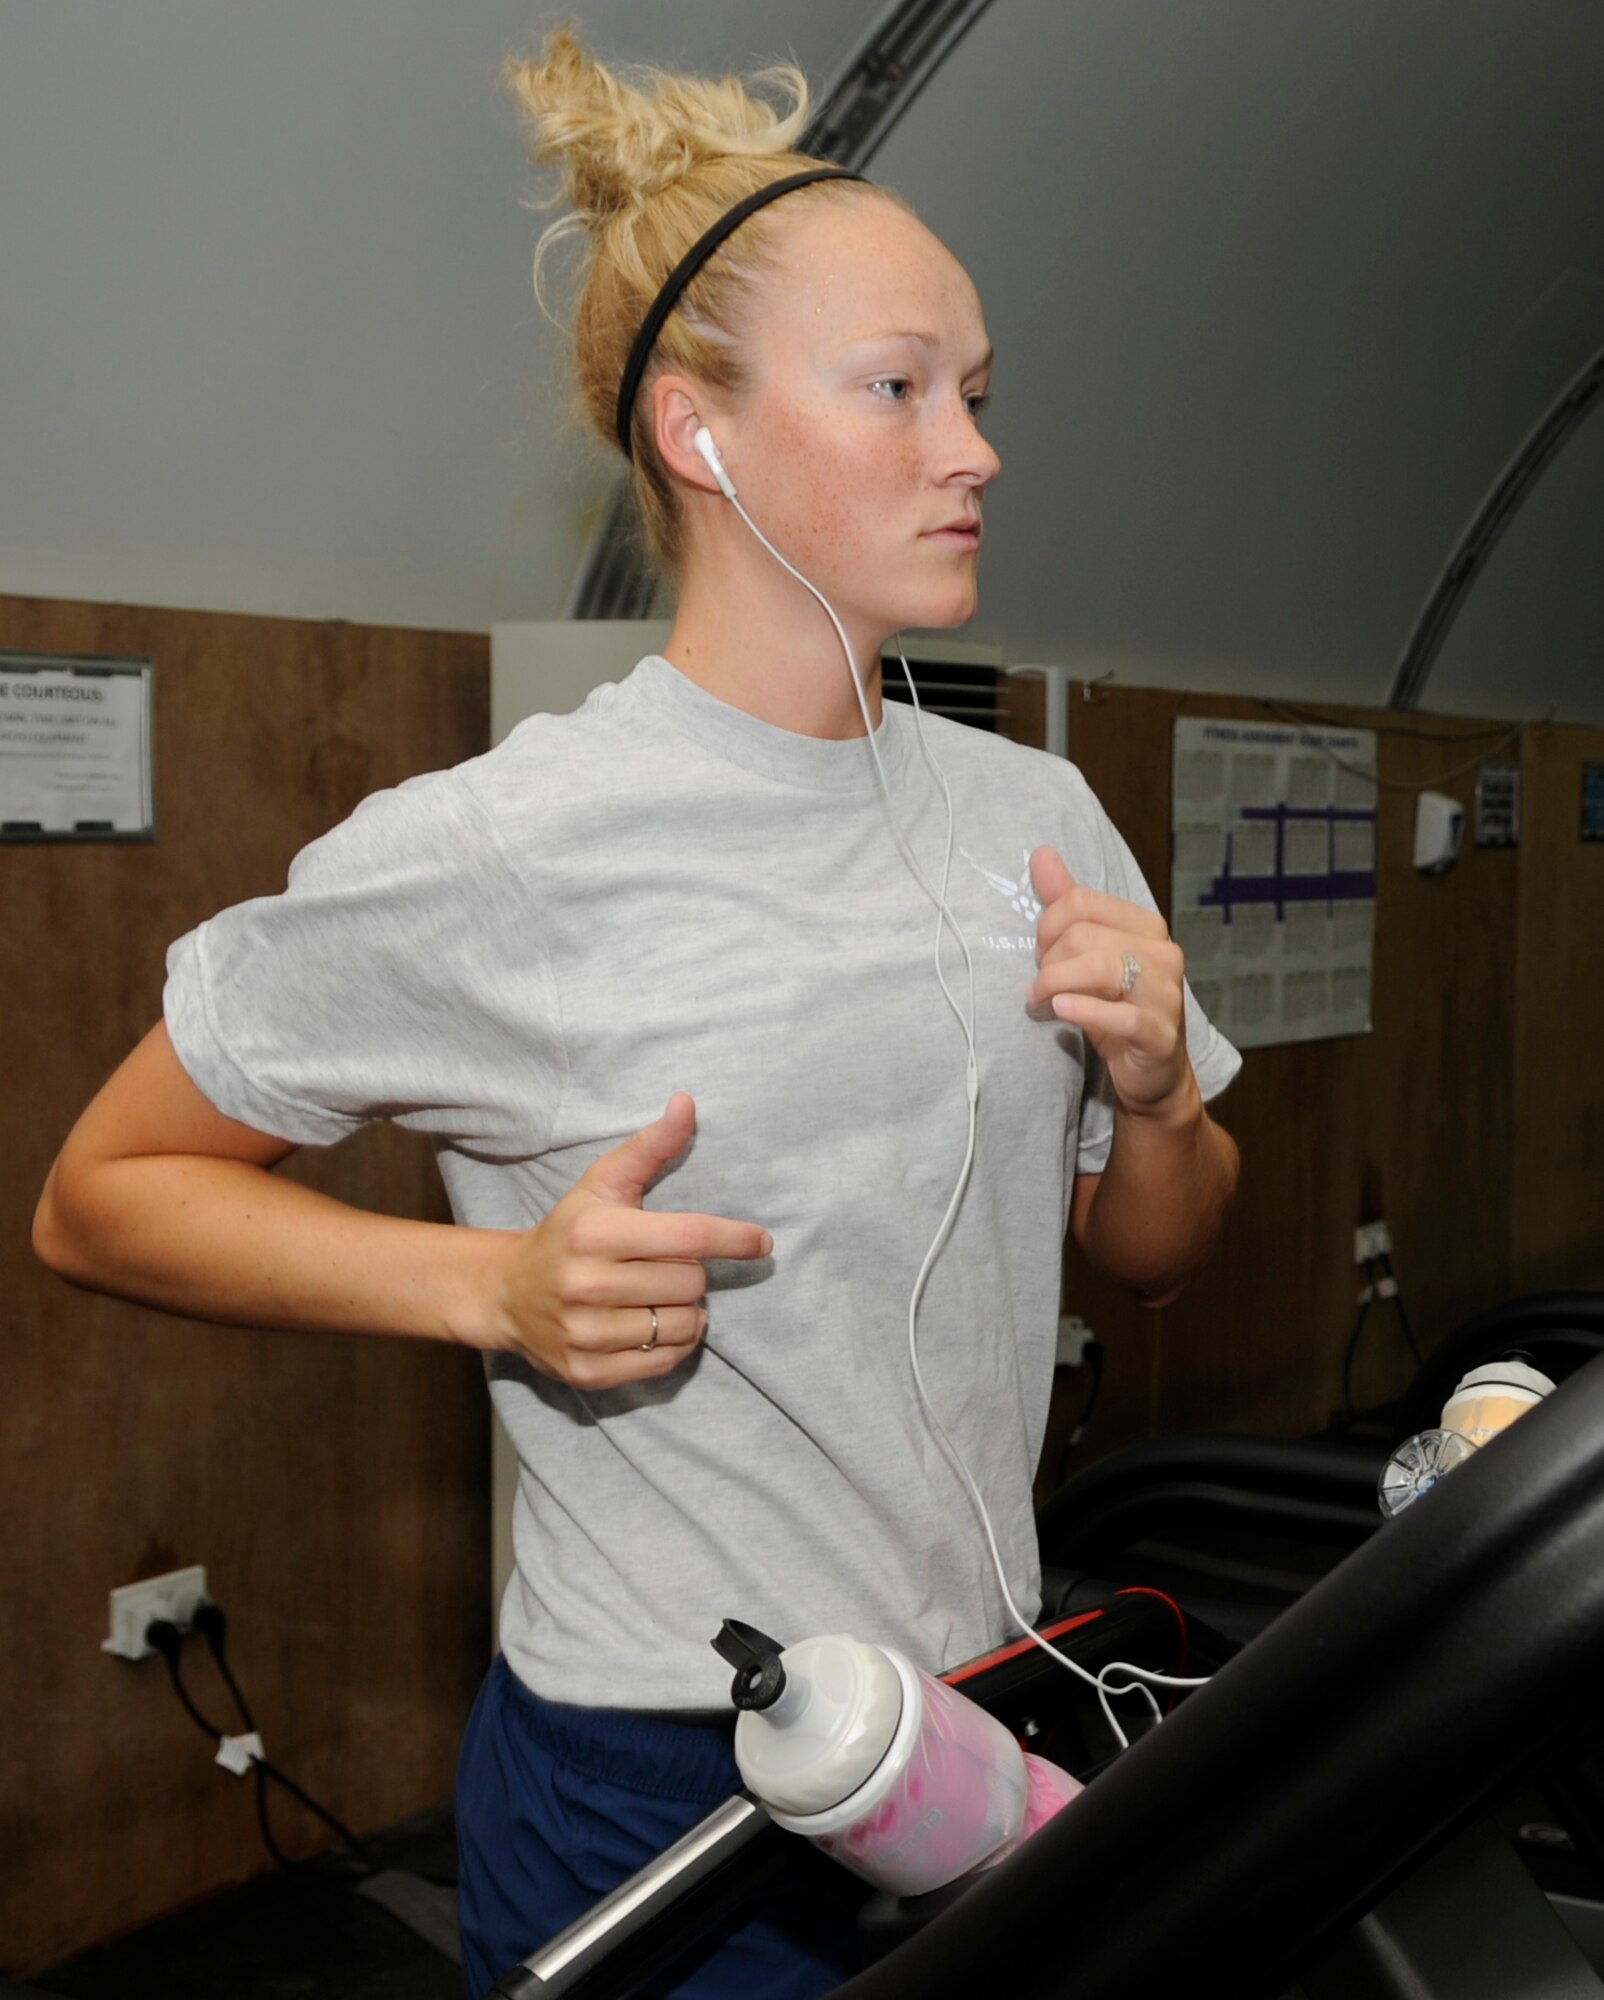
(1140, 1676)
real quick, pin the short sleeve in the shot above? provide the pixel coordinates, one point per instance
(399, 975)
(1214, 1061)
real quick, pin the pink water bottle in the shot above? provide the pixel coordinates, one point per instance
(898, 1776)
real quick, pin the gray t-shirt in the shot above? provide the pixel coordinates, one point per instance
(524, 956)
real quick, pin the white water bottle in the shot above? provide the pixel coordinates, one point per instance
(1488, 1400)
(893, 1773)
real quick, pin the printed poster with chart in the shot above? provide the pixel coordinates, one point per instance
(1273, 876)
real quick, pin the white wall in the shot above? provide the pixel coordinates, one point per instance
(1277, 286)
(267, 336)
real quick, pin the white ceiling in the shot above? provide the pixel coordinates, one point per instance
(1277, 287)
(267, 337)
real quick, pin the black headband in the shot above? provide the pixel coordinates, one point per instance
(687, 268)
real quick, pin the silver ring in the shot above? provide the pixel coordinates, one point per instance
(1133, 972)
(646, 1346)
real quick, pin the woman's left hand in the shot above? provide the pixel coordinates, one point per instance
(1108, 967)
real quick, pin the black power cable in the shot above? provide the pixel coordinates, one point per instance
(1398, 1306)
(164, 1636)
(1366, 1294)
(211, 1622)
(1092, 1357)
(1380, 1282)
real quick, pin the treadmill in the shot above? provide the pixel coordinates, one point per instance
(1326, 1820)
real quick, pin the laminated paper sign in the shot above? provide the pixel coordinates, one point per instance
(1273, 876)
(74, 749)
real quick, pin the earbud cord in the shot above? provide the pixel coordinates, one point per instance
(1140, 1676)
(966, 1023)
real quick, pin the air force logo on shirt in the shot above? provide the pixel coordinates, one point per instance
(1019, 893)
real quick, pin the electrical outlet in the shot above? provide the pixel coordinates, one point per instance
(1371, 1240)
(134, 1606)
(1074, 1337)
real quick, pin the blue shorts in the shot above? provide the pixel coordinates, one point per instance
(557, 1805)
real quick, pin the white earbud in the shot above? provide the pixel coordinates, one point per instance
(703, 442)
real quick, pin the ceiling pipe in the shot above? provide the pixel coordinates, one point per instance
(1491, 518)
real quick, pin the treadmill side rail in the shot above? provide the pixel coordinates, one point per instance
(657, 1913)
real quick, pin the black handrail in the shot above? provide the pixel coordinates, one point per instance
(1448, 1655)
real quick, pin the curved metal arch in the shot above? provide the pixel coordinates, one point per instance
(875, 86)
(1487, 524)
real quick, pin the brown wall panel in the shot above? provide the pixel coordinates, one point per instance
(1413, 1123)
(337, 1490)
(1558, 1233)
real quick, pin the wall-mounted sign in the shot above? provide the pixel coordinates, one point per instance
(75, 760)
(1497, 804)
(1273, 876)
(1593, 802)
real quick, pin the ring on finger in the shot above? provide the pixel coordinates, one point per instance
(646, 1346)
(1132, 972)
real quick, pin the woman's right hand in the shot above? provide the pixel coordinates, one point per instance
(577, 1294)
(158, 1196)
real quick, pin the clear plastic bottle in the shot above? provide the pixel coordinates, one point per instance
(1415, 1467)
(893, 1773)
(1488, 1400)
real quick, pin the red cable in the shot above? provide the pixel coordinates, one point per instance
(1056, 1631)
(1147, 1590)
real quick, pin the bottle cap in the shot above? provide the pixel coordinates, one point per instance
(827, 1735)
(759, 1678)
(1416, 1466)
(1509, 1374)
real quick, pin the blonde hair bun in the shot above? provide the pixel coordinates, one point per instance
(621, 141)
(650, 162)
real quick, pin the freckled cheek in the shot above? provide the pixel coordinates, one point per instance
(840, 504)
